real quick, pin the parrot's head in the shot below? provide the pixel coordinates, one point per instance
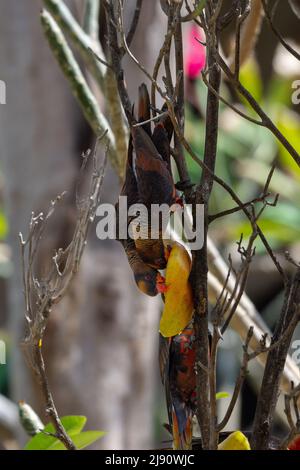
(150, 281)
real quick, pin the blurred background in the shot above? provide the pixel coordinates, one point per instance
(101, 345)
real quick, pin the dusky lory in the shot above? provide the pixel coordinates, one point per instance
(155, 184)
(147, 279)
(177, 365)
(148, 180)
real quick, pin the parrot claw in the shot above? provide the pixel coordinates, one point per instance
(162, 288)
(161, 285)
(179, 201)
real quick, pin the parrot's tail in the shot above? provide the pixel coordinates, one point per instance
(144, 108)
(182, 426)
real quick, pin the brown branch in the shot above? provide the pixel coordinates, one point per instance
(268, 395)
(232, 194)
(116, 56)
(231, 106)
(251, 18)
(134, 22)
(266, 121)
(240, 20)
(200, 263)
(233, 210)
(289, 48)
(239, 382)
(50, 407)
(247, 256)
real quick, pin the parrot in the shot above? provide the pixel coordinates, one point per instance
(177, 367)
(147, 279)
(177, 348)
(177, 353)
(152, 166)
(148, 180)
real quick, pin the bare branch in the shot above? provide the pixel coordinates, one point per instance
(134, 22)
(268, 395)
(289, 48)
(41, 294)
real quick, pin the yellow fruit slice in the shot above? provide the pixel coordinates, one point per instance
(178, 309)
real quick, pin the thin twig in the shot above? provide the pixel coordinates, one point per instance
(134, 22)
(289, 48)
(46, 292)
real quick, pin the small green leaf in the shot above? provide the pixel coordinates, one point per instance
(87, 438)
(220, 395)
(41, 442)
(73, 426)
(251, 79)
(289, 124)
(3, 226)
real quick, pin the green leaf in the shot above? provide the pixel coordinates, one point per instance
(289, 124)
(220, 395)
(198, 8)
(41, 442)
(250, 78)
(279, 91)
(3, 226)
(280, 225)
(73, 426)
(87, 438)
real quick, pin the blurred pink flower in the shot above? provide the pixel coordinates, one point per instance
(195, 53)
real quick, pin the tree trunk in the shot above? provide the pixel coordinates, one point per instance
(100, 346)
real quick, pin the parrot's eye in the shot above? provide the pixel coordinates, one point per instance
(147, 277)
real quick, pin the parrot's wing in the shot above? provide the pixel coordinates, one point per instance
(154, 180)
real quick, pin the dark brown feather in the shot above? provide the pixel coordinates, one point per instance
(144, 113)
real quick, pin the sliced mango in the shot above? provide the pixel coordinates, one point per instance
(178, 309)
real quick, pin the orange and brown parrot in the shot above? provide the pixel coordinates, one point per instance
(148, 180)
(148, 279)
(177, 365)
(177, 352)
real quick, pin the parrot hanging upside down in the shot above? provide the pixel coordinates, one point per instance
(148, 180)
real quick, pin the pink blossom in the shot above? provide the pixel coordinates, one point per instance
(195, 53)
